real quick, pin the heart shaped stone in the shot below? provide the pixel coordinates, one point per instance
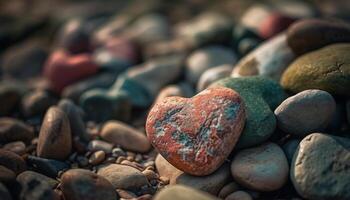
(197, 134)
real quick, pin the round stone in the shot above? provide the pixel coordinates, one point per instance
(213, 74)
(123, 176)
(12, 161)
(17, 147)
(129, 138)
(28, 176)
(261, 96)
(228, 189)
(320, 167)
(81, 184)
(239, 195)
(262, 168)
(327, 69)
(55, 140)
(202, 59)
(36, 103)
(13, 130)
(177, 192)
(310, 34)
(183, 89)
(306, 112)
(197, 134)
(273, 24)
(97, 157)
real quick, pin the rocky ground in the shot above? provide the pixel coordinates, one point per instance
(171, 100)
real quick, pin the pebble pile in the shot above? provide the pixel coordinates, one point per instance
(180, 100)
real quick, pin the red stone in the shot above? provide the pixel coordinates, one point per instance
(63, 69)
(197, 134)
(274, 24)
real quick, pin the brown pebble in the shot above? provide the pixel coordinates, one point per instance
(126, 194)
(150, 174)
(17, 147)
(145, 197)
(12, 161)
(97, 157)
(15, 130)
(164, 180)
(7, 175)
(120, 159)
(55, 140)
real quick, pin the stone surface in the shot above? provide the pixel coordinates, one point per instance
(13, 130)
(262, 168)
(10, 96)
(213, 74)
(80, 184)
(36, 103)
(196, 135)
(17, 147)
(97, 157)
(211, 183)
(62, 69)
(239, 195)
(27, 176)
(310, 34)
(12, 161)
(228, 189)
(261, 96)
(202, 59)
(129, 138)
(182, 89)
(7, 176)
(182, 192)
(270, 59)
(48, 167)
(289, 149)
(123, 177)
(75, 118)
(97, 145)
(306, 112)
(55, 140)
(4, 193)
(273, 24)
(320, 167)
(327, 69)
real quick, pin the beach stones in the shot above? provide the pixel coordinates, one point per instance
(213, 74)
(190, 133)
(326, 69)
(306, 112)
(273, 24)
(262, 168)
(270, 59)
(123, 176)
(261, 96)
(127, 137)
(14, 130)
(206, 58)
(62, 69)
(48, 167)
(55, 134)
(182, 192)
(36, 103)
(320, 167)
(12, 161)
(80, 184)
(26, 176)
(310, 34)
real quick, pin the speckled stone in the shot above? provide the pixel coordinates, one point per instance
(262, 168)
(81, 184)
(310, 34)
(129, 138)
(55, 140)
(306, 112)
(196, 135)
(261, 96)
(270, 59)
(327, 69)
(123, 176)
(320, 167)
(177, 192)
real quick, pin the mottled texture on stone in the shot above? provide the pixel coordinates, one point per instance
(326, 69)
(306, 112)
(321, 167)
(261, 96)
(81, 184)
(196, 135)
(262, 168)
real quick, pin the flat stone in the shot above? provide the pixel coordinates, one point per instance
(262, 168)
